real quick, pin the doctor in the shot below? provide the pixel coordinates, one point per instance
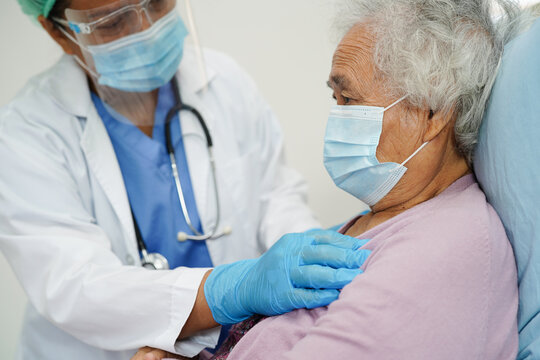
(108, 174)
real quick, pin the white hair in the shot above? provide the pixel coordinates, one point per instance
(442, 54)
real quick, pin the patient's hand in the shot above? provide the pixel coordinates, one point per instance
(147, 353)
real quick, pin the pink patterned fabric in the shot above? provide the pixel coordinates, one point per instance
(235, 335)
(440, 284)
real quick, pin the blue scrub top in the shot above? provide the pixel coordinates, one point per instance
(151, 190)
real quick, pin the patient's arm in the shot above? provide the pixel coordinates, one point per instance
(409, 299)
(425, 294)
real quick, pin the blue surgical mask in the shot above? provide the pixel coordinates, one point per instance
(143, 61)
(350, 146)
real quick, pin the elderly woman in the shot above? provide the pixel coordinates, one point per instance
(411, 78)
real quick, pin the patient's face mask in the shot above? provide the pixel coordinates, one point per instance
(122, 54)
(350, 146)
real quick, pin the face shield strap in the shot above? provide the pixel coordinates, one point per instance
(77, 59)
(198, 47)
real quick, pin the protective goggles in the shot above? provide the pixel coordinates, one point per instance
(117, 19)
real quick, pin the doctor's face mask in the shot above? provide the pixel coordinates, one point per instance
(132, 46)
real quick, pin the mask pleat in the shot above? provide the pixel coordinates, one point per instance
(352, 136)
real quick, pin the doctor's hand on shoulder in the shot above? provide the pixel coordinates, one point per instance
(299, 271)
(304, 270)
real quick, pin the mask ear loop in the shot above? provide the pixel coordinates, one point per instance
(79, 61)
(417, 150)
(395, 103)
(414, 153)
(198, 48)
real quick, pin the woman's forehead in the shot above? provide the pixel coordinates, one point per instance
(353, 58)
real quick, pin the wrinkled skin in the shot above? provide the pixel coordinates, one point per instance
(354, 80)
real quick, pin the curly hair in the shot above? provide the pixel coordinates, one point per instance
(442, 54)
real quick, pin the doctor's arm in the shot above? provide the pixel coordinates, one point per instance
(299, 271)
(65, 261)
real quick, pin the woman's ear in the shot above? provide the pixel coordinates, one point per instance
(57, 35)
(436, 123)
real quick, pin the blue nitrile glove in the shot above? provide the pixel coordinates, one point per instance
(299, 271)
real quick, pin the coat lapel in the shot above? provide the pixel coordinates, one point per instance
(74, 97)
(103, 164)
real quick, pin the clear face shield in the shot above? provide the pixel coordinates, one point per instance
(130, 49)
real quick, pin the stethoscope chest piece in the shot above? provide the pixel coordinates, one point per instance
(154, 261)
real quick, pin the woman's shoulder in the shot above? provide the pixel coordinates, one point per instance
(460, 213)
(458, 228)
(455, 242)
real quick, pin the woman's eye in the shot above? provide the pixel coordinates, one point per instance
(341, 99)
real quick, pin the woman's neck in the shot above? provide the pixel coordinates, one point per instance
(381, 212)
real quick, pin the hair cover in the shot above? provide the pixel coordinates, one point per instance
(35, 8)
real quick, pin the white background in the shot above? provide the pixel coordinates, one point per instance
(285, 45)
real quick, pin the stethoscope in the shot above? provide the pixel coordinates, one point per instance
(156, 261)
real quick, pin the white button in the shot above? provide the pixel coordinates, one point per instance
(130, 260)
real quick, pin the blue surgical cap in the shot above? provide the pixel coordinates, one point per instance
(34, 8)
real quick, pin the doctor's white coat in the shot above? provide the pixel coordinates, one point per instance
(65, 223)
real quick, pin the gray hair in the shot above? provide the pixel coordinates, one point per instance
(442, 54)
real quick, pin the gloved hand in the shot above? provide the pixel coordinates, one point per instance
(299, 271)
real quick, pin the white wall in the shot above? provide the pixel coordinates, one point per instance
(285, 45)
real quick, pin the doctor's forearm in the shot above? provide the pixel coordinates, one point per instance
(201, 316)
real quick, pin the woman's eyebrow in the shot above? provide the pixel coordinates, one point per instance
(338, 81)
(342, 83)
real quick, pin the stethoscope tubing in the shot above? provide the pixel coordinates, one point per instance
(180, 106)
(158, 261)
